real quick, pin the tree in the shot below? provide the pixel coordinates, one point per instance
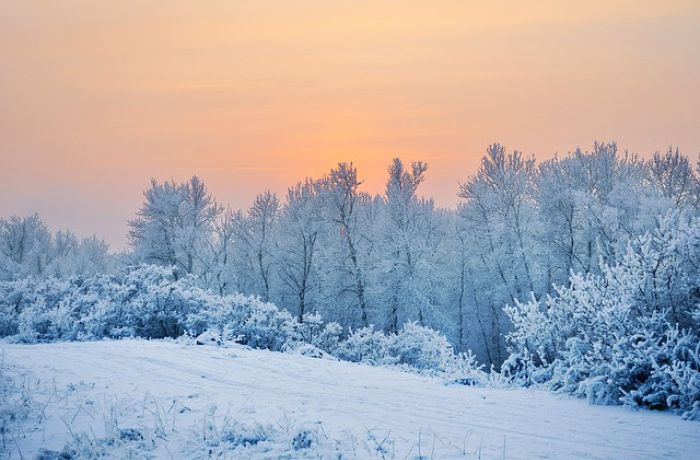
(255, 233)
(93, 257)
(341, 199)
(499, 219)
(25, 246)
(402, 237)
(174, 225)
(592, 203)
(70, 256)
(220, 274)
(300, 224)
(672, 175)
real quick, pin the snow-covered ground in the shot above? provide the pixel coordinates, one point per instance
(165, 399)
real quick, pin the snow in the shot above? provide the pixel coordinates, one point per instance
(87, 386)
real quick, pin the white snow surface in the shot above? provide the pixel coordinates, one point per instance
(90, 386)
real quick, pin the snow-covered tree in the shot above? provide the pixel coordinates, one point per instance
(255, 236)
(71, 256)
(24, 247)
(401, 238)
(342, 202)
(28, 248)
(672, 175)
(220, 274)
(499, 217)
(300, 225)
(174, 225)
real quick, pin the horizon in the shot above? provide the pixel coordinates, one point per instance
(99, 99)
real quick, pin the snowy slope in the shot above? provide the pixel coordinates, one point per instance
(174, 390)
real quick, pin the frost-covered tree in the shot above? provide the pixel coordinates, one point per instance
(93, 257)
(25, 244)
(255, 236)
(300, 225)
(400, 232)
(343, 204)
(672, 175)
(474, 319)
(220, 272)
(499, 201)
(174, 225)
(29, 249)
(592, 203)
(71, 256)
(499, 217)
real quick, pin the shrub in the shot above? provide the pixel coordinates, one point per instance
(421, 348)
(625, 336)
(367, 346)
(153, 302)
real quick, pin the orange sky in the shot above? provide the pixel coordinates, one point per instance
(97, 97)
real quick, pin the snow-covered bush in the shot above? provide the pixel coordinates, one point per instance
(429, 352)
(18, 296)
(415, 348)
(245, 320)
(313, 330)
(421, 348)
(314, 338)
(366, 345)
(671, 365)
(464, 369)
(268, 327)
(153, 302)
(626, 335)
(329, 337)
(146, 301)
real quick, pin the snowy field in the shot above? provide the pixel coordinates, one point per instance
(139, 399)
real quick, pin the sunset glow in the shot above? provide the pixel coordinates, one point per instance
(98, 97)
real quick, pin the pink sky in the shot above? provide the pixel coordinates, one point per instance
(98, 97)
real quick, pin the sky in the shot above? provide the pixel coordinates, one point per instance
(98, 97)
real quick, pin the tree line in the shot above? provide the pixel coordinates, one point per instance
(327, 247)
